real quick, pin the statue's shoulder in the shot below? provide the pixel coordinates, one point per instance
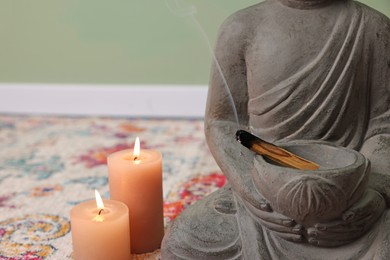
(374, 18)
(247, 15)
(242, 21)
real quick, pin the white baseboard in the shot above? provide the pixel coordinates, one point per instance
(104, 100)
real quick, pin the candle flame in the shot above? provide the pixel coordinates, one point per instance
(99, 201)
(137, 149)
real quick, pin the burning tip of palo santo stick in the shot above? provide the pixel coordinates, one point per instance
(273, 152)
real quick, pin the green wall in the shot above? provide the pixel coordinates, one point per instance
(117, 41)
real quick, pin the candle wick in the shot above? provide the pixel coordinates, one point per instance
(135, 158)
(100, 211)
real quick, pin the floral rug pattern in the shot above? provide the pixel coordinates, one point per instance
(49, 164)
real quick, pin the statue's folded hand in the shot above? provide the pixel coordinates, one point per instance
(381, 183)
(283, 226)
(354, 222)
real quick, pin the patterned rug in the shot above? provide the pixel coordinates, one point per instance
(49, 164)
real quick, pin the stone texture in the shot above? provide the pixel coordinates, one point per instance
(312, 76)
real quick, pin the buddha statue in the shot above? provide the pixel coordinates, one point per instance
(312, 76)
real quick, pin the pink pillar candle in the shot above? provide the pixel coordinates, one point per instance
(100, 236)
(137, 181)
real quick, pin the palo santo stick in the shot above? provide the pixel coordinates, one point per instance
(273, 152)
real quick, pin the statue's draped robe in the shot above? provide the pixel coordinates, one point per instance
(329, 97)
(332, 99)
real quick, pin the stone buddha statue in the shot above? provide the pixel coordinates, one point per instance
(312, 76)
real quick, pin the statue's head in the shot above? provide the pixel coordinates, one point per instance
(311, 197)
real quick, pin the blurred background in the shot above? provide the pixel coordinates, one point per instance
(115, 43)
(119, 41)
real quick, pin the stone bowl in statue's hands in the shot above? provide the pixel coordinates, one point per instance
(313, 196)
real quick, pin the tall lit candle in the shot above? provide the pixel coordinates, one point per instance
(135, 178)
(100, 230)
